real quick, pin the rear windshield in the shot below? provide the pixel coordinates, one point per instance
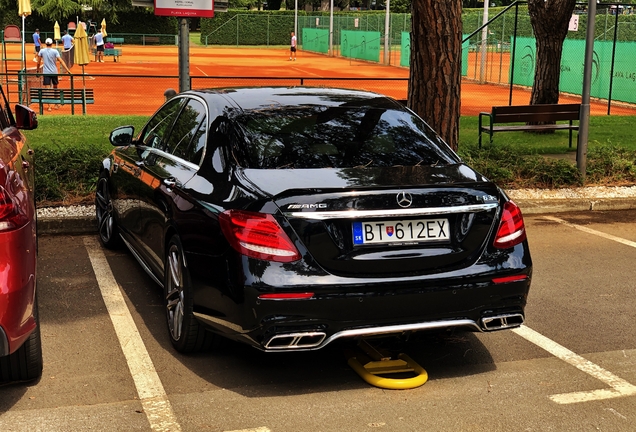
(338, 137)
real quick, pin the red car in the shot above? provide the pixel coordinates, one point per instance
(20, 348)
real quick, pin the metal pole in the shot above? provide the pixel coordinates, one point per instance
(331, 28)
(386, 33)
(184, 55)
(512, 54)
(584, 124)
(296, 18)
(611, 83)
(484, 43)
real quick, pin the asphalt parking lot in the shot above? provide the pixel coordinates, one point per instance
(109, 364)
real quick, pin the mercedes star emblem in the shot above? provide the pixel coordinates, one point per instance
(404, 199)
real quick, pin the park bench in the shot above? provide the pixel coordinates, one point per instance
(149, 39)
(115, 40)
(74, 97)
(530, 114)
(110, 52)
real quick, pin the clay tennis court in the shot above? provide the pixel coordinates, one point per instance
(118, 88)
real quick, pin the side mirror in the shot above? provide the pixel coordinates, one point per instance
(122, 136)
(25, 118)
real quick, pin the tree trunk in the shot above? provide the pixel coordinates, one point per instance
(435, 74)
(549, 21)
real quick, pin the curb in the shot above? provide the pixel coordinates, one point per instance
(560, 205)
(67, 226)
(78, 225)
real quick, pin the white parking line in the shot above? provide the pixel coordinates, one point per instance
(258, 429)
(149, 388)
(591, 231)
(619, 387)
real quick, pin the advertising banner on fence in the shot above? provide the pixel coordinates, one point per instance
(316, 40)
(185, 8)
(622, 75)
(362, 45)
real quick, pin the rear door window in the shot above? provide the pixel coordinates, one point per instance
(156, 131)
(188, 136)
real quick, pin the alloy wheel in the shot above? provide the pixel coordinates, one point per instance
(175, 293)
(104, 211)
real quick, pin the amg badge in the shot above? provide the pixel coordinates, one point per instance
(306, 206)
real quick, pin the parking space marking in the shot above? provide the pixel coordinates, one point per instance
(258, 429)
(151, 393)
(619, 387)
(591, 231)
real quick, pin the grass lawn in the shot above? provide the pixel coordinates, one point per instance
(616, 130)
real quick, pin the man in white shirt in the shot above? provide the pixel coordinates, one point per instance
(99, 46)
(292, 49)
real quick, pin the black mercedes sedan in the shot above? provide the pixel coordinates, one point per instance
(287, 218)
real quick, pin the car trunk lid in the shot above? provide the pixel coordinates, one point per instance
(366, 222)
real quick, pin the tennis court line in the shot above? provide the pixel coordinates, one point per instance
(151, 393)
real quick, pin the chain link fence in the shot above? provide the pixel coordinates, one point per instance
(508, 53)
(145, 93)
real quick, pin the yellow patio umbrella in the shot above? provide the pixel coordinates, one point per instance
(82, 57)
(104, 27)
(24, 10)
(56, 32)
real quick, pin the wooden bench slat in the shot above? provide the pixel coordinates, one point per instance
(535, 117)
(540, 108)
(534, 127)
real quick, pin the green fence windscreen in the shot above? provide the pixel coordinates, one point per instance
(405, 52)
(361, 45)
(572, 62)
(316, 40)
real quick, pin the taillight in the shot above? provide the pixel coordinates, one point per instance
(10, 215)
(512, 230)
(287, 296)
(508, 279)
(257, 235)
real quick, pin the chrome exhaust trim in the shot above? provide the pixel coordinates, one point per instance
(301, 341)
(296, 341)
(500, 322)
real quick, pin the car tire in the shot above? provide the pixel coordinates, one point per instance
(186, 334)
(26, 363)
(106, 225)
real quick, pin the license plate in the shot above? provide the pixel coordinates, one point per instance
(400, 231)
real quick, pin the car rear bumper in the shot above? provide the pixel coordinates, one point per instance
(336, 313)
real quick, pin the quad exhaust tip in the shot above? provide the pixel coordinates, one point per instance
(292, 341)
(500, 322)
